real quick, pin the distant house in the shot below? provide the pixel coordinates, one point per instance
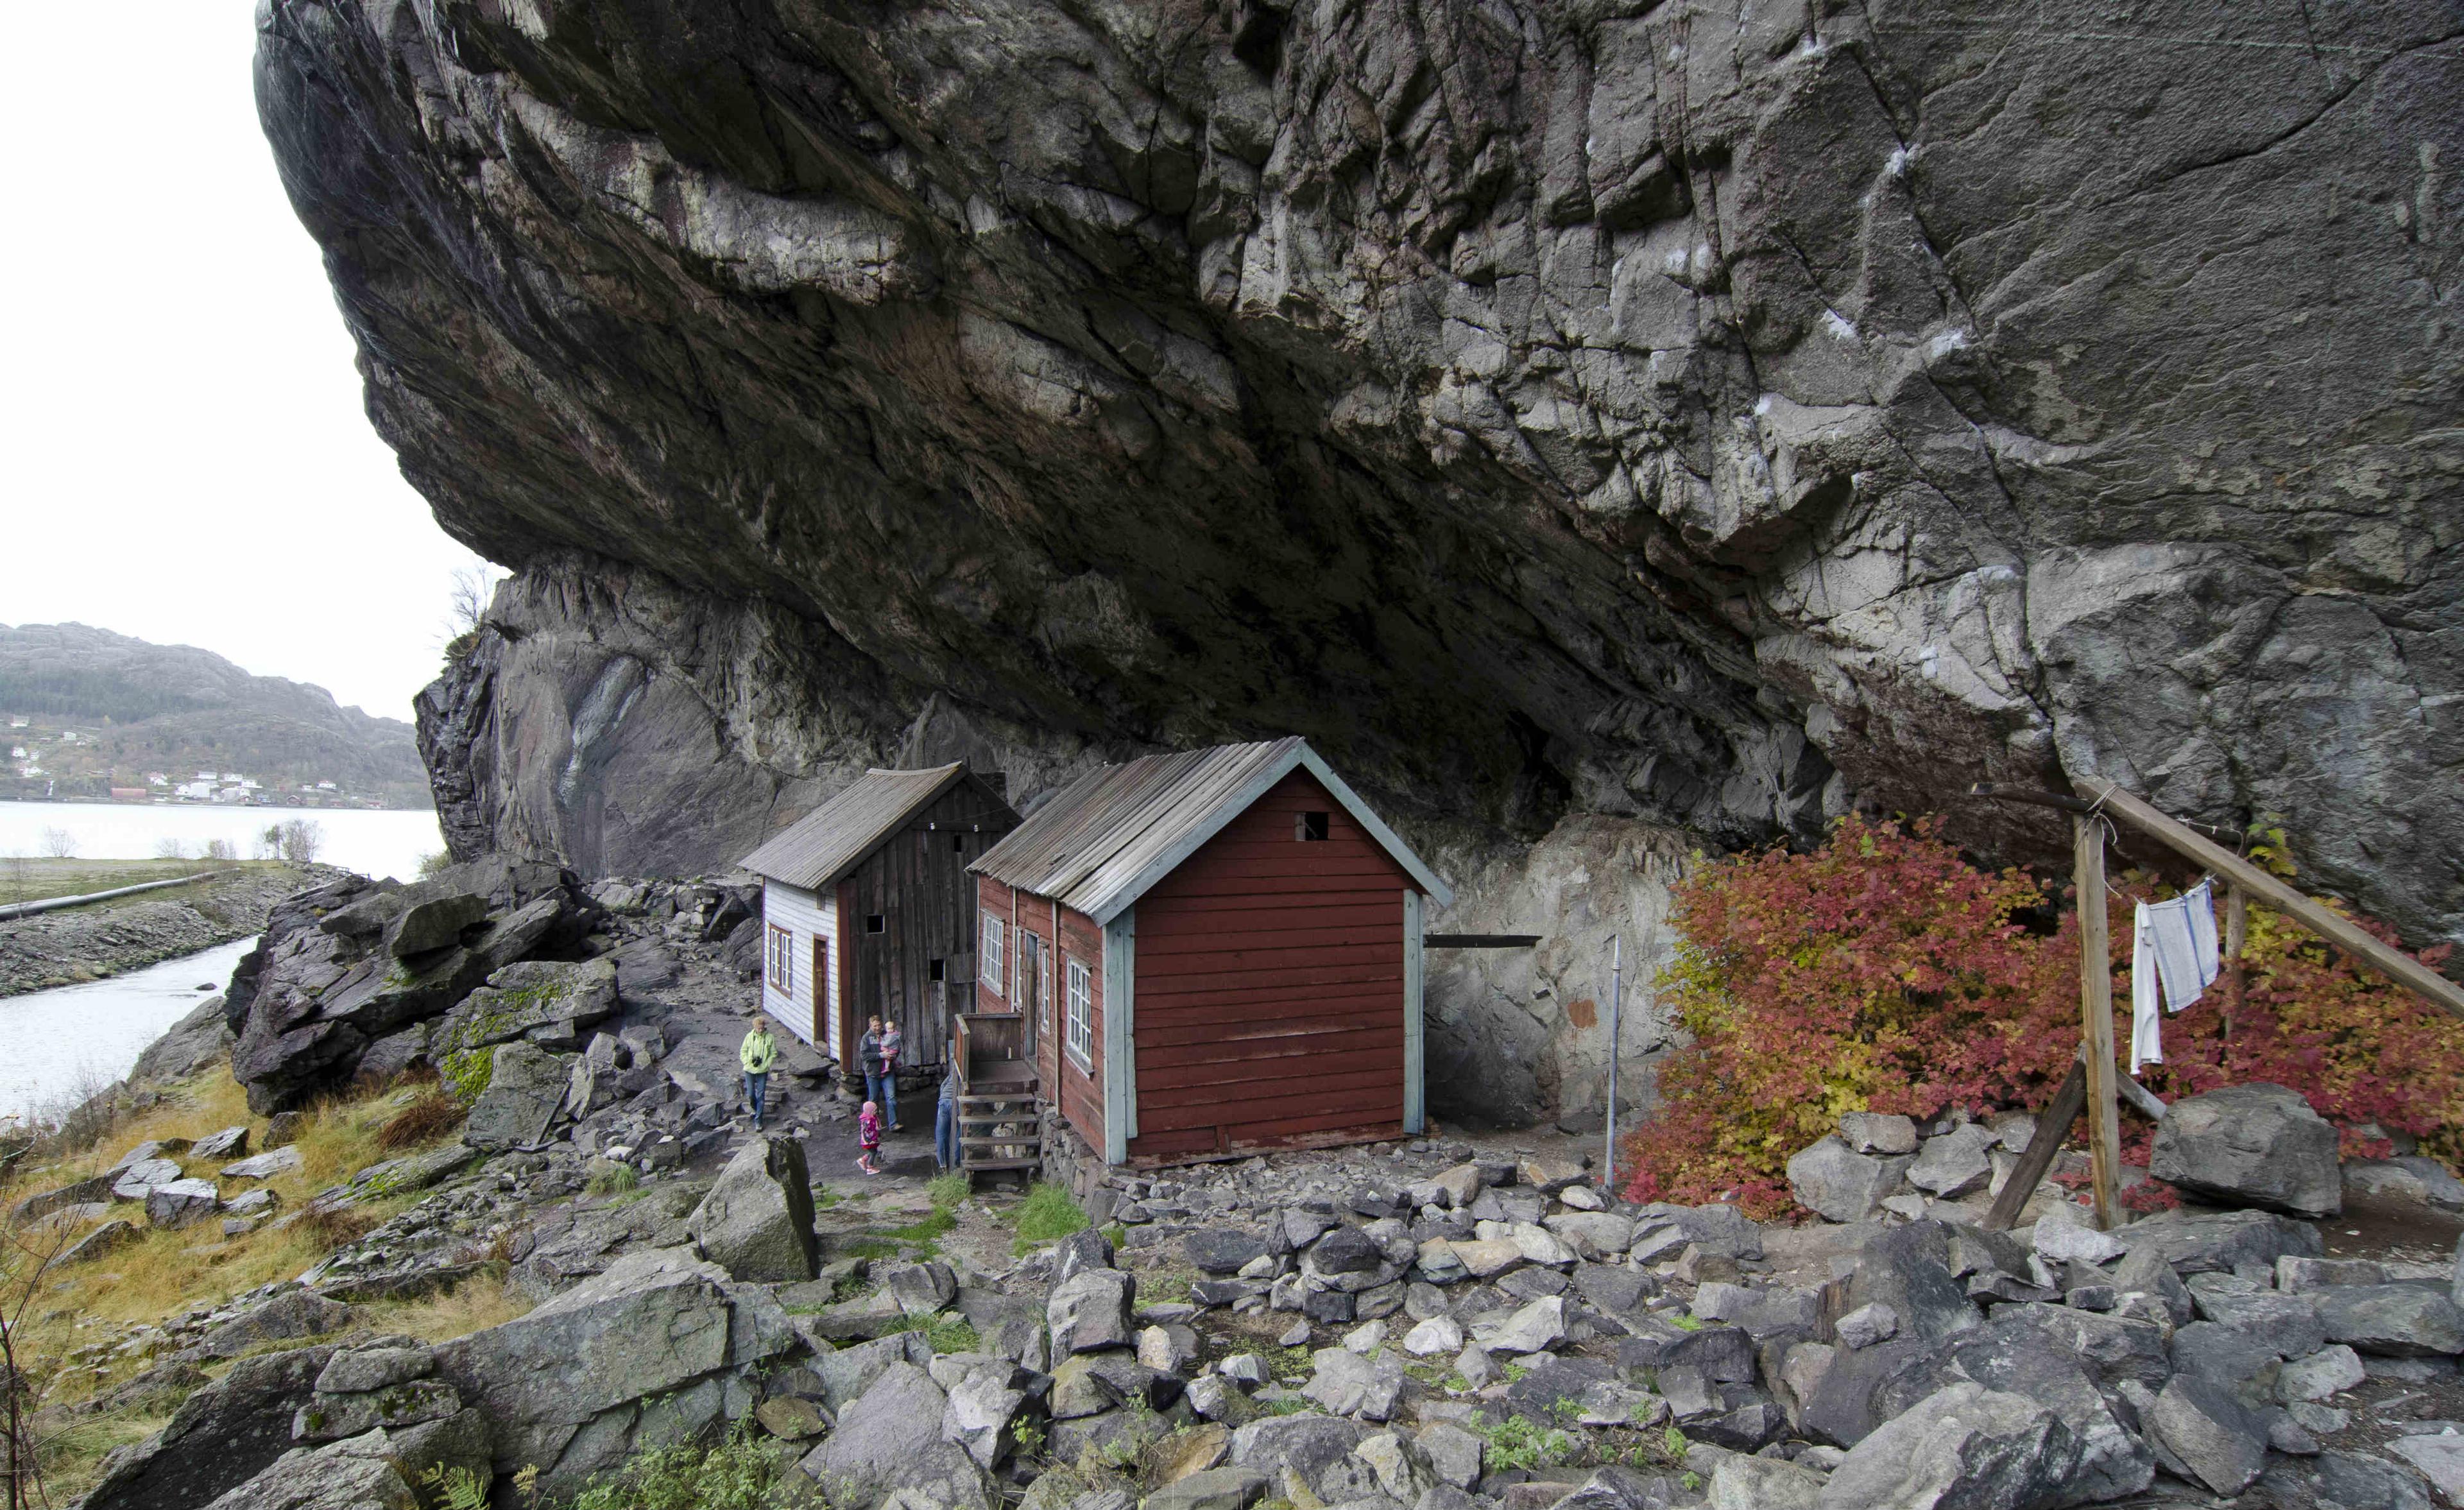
(1210, 951)
(16, 752)
(155, 778)
(128, 794)
(867, 908)
(326, 786)
(194, 791)
(18, 723)
(230, 794)
(204, 775)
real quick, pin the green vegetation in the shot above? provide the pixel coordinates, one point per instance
(738, 1474)
(1046, 1216)
(469, 1073)
(614, 1180)
(948, 1334)
(1516, 1442)
(947, 1191)
(864, 1247)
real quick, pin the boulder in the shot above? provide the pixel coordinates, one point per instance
(2440, 1460)
(232, 1143)
(1091, 1310)
(289, 1315)
(141, 1177)
(1964, 1445)
(1763, 1484)
(361, 1369)
(892, 1439)
(526, 1090)
(2242, 1363)
(2331, 1370)
(1909, 1269)
(2111, 1348)
(978, 1416)
(2258, 1144)
(330, 1417)
(529, 998)
(1308, 1444)
(1877, 1132)
(1217, 1250)
(2422, 1180)
(2288, 1324)
(1591, 1235)
(1839, 1184)
(2066, 1234)
(1867, 1324)
(1954, 1164)
(2392, 1321)
(182, 1203)
(434, 924)
(1533, 1328)
(100, 1188)
(1347, 1383)
(285, 1160)
(1080, 1251)
(646, 1350)
(343, 1477)
(1455, 1455)
(1212, 1489)
(1343, 1250)
(1403, 1471)
(2202, 1427)
(920, 1289)
(219, 1439)
(756, 1222)
(2220, 1242)
(197, 1042)
(1438, 1334)
(111, 1234)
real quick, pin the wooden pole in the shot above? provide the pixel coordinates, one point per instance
(2333, 926)
(2237, 937)
(2095, 1012)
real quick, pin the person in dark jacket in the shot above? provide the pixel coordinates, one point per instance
(877, 1053)
(945, 1120)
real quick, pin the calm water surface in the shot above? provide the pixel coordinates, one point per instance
(73, 1040)
(379, 844)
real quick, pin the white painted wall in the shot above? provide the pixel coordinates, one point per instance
(808, 916)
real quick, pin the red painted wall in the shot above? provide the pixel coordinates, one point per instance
(1269, 994)
(1078, 1089)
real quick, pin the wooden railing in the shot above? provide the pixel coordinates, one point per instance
(985, 1038)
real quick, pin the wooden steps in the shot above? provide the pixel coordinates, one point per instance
(988, 1107)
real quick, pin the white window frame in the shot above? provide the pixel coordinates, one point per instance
(995, 970)
(1079, 1032)
(779, 962)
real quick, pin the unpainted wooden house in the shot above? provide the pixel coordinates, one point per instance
(867, 908)
(1205, 952)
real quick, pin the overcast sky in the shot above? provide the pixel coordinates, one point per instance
(187, 459)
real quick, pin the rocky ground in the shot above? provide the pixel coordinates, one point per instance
(87, 944)
(1448, 1323)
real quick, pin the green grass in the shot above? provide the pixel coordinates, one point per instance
(739, 1474)
(1517, 1443)
(1046, 1216)
(947, 1191)
(862, 1247)
(1689, 1323)
(948, 1334)
(615, 1181)
(928, 1231)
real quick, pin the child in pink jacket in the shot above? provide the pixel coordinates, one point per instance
(868, 1132)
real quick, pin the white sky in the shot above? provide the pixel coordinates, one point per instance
(186, 458)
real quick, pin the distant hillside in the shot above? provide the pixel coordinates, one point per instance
(103, 710)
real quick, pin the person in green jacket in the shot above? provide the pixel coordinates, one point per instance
(758, 1053)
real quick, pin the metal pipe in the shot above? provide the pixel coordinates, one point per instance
(1617, 1014)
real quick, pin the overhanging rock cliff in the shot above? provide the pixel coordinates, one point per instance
(1696, 415)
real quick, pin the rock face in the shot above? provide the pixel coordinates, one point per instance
(2255, 1144)
(1681, 410)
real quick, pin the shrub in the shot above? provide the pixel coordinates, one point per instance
(947, 1191)
(739, 1474)
(424, 1122)
(1883, 972)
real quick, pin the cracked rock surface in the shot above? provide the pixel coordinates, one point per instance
(1703, 416)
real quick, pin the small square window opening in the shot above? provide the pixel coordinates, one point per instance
(1310, 826)
(940, 969)
(873, 923)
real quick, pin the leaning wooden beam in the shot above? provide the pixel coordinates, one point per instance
(2342, 931)
(2052, 1125)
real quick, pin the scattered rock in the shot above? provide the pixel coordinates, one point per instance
(291, 1314)
(1954, 1164)
(1091, 1310)
(1763, 1484)
(1868, 1325)
(1877, 1132)
(182, 1203)
(2440, 1460)
(526, 1091)
(1963, 1444)
(228, 1143)
(2392, 1321)
(266, 1166)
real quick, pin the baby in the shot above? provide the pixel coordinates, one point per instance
(868, 1132)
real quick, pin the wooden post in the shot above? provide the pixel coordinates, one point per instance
(2095, 1012)
(2237, 935)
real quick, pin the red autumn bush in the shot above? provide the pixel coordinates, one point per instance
(1883, 972)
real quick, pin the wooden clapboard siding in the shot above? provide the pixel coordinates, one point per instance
(806, 917)
(1062, 936)
(1269, 985)
(916, 883)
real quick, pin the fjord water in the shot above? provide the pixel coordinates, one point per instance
(377, 843)
(64, 1043)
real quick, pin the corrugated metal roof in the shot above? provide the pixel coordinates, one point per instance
(832, 838)
(1114, 832)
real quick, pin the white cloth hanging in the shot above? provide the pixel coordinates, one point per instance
(2173, 949)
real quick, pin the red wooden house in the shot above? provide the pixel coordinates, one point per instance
(1209, 951)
